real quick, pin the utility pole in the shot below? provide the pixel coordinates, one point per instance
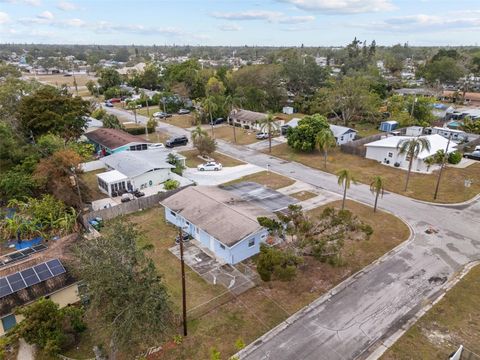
(148, 109)
(445, 156)
(413, 106)
(184, 295)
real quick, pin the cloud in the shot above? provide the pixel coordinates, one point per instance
(230, 27)
(296, 19)
(423, 22)
(73, 22)
(46, 15)
(107, 27)
(270, 16)
(342, 6)
(66, 6)
(24, 2)
(4, 18)
(247, 15)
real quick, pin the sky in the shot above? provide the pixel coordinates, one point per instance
(241, 22)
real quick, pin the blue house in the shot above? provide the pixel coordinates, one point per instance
(111, 141)
(221, 222)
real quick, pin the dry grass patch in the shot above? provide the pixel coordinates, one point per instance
(267, 178)
(156, 137)
(421, 186)
(89, 179)
(452, 322)
(192, 159)
(59, 79)
(244, 137)
(303, 195)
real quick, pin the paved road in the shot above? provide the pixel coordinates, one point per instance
(380, 300)
(354, 320)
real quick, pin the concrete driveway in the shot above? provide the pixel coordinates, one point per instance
(219, 177)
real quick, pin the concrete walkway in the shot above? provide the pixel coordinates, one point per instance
(25, 351)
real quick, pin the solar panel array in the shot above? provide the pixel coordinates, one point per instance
(21, 254)
(30, 276)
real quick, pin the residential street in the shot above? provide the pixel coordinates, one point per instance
(353, 321)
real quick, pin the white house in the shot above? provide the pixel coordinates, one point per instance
(343, 134)
(385, 151)
(219, 221)
(250, 119)
(455, 135)
(287, 110)
(131, 170)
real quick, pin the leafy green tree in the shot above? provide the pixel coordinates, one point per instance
(210, 106)
(232, 101)
(171, 184)
(125, 287)
(49, 143)
(108, 78)
(47, 326)
(302, 73)
(17, 184)
(345, 178)
(412, 148)
(49, 110)
(471, 126)
(269, 125)
(303, 137)
(214, 87)
(273, 263)
(326, 140)
(205, 145)
(444, 69)
(174, 160)
(92, 88)
(198, 132)
(110, 121)
(377, 187)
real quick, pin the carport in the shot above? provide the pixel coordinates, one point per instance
(260, 195)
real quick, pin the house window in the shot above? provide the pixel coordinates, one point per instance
(187, 223)
(222, 246)
(251, 242)
(173, 213)
(390, 154)
(341, 138)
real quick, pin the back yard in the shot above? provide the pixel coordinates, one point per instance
(452, 322)
(218, 319)
(421, 186)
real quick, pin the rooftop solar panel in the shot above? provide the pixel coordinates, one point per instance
(56, 267)
(16, 282)
(4, 287)
(30, 277)
(43, 272)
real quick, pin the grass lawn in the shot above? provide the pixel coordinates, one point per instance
(366, 129)
(288, 117)
(222, 319)
(193, 160)
(303, 195)
(156, 137)
(184, 121)
(244, 137)
(89, 179)
(421, 186)
(59, 79)
(267, 178)
(452, 322)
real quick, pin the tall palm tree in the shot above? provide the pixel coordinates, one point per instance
(325, 140)
(377, 187)
(269, 124)
(230, 103)
(210, 106)
(198, 132)
(412, 148)
(345, 178)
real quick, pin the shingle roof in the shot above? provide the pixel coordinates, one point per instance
(247, 115)
(340, 130)
(223, 215)
(113, 138)
(134, 163)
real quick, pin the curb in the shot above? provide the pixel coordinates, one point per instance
(324, 298)
(381, 346)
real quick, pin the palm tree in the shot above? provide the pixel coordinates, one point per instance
(230, 103)
(412, 148)
(377, 187)
(269, 124)
(325, 140)
(198, 133)
(210, 106)
(345, 178)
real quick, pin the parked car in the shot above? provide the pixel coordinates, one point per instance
(155, 146)
(210, 166)
(114, 100)
(161, 114)
(176, 141)
(108, 104)
(127, 197)
(262, 135)
(475, 155)
(183, 111)
(217, 121)
(185, 238)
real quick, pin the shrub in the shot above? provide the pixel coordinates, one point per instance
(171, 184)
(454, 157)
(99, 113)
(276, 263)
(139, 130)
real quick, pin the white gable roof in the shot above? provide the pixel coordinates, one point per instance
(437, 142)
(340, 130)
